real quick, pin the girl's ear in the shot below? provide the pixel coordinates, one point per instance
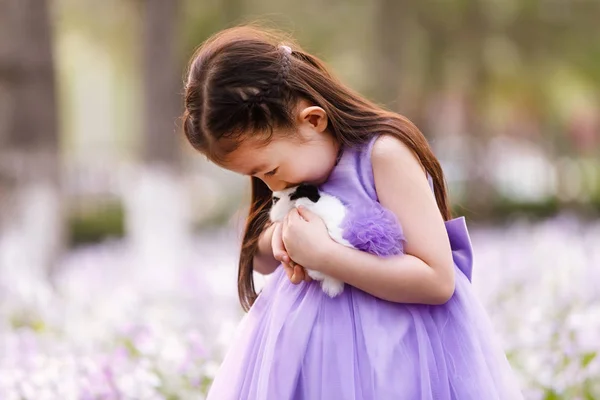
(315, 117)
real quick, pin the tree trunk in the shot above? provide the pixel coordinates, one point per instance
(162, 83)
(478, 186)
(157, 203)
(392, 24)
(31, 217)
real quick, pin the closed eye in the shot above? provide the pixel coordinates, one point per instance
(272, 172)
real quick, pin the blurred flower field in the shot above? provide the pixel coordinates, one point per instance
(105, 331)
(142, 307)
(109, 328)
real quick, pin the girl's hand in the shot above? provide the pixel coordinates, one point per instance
(305, 237)
(295, 272)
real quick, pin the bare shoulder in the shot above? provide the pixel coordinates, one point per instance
(402, 187)
(391, 152)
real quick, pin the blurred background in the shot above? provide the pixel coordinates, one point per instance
(118, 244)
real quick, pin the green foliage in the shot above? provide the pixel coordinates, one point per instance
(97, 224)
(504, 207)
(25, 320)
(552, 395)
(588, 358)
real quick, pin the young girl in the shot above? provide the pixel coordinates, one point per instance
(406, 326)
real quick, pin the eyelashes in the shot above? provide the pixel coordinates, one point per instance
(272, 172)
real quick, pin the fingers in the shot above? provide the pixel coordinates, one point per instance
(289, 271)
(305, 213)
(286, 219)
(300, 272)
(279, 252)
(298, 275)
(294, 272)
(291, 216)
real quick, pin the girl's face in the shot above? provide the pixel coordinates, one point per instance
(307, 155)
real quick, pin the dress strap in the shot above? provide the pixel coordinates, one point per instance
(365, 167)
(430, 179)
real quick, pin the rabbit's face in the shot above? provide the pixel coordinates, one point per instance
(285, 200)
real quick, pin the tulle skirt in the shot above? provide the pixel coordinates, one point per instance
(298, 343)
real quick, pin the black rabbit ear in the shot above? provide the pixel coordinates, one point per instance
(309, 191)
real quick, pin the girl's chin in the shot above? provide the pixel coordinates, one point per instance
(315, 182)
(320, 182)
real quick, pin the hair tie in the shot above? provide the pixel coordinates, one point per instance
(285, 48)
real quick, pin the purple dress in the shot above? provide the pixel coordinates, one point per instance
(298, 343)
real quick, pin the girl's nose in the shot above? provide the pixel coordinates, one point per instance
(276, 185)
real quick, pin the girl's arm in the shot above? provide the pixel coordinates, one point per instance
(401, 279)
(264, 261)
(425, 274)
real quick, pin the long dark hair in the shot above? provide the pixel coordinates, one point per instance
(245, 81)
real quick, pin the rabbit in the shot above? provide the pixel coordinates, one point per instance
(329, 208)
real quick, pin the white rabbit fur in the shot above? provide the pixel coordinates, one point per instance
(329, 208)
